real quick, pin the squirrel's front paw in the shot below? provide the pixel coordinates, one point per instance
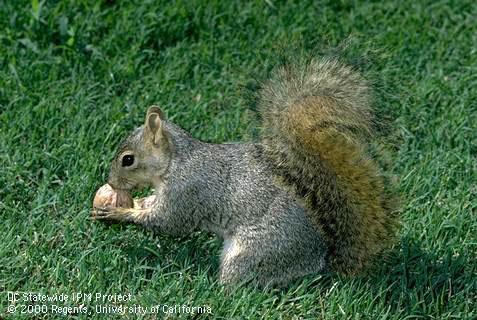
(119, 214)
(108, 213)
(100, 213)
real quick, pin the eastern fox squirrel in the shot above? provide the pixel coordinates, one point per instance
(307, 198)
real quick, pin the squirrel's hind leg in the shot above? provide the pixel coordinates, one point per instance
(237, 264)
(242, 262)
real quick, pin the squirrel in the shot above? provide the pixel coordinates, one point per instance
(307, 198)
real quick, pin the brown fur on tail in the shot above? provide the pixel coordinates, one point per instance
(317, 124)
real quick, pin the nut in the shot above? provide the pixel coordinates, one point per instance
(106, 196)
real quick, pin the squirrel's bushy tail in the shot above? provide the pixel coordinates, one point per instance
(317, 124)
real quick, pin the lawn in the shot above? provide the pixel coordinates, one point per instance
(77, 76)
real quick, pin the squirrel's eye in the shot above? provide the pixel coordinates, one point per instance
(127, 160)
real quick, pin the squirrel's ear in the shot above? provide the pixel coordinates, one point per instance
(153, 125)
(155, 109)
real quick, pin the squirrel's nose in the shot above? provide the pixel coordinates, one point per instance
(118, 183)
(112, 181)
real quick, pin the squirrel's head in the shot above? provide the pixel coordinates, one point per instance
(143, 158)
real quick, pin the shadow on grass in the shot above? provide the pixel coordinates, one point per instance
(414, 279)
(409, 281)
(192, 254)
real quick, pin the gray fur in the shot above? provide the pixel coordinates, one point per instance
(214, 187)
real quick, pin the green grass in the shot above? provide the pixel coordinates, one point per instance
(76, 76)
